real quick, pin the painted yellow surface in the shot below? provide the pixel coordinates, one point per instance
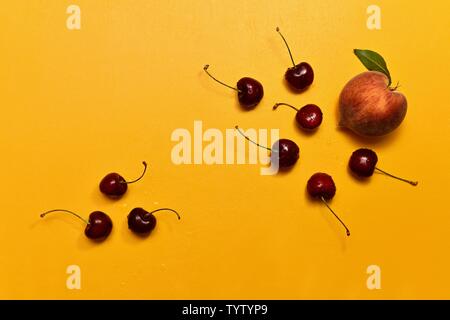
(77, 104)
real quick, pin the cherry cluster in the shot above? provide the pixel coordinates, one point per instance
(299, 78)
(99, 224)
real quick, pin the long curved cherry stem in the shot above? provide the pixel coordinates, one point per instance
(222, 83)
(346, 229)
(413, 183)
(142, 174)
(284, 104)
(67, 211)
(287, 46)
(261, 146)
(166, 209)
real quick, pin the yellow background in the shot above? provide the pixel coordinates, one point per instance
(79, 104)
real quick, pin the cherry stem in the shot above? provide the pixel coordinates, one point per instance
(143, 173)
(67, 211)
(166, 209)
(413, 183)
(346, 229)
(222, 83)
(287, 46)
(284, 104)
(239, 130)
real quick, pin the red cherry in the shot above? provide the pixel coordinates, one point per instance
(301, 75)
(114, 185)
(363, 163)
(99, 227)
(285, 151)
(142, 221)
(321, 185)
(250, 91)
(308, 117)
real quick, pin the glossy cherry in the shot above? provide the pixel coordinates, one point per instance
(301, 75)
(142, 221)
(114, 185)
(250, 91)
(308, 117)
(285, 151)
(98, 227)
(321, 186)
(363, 163)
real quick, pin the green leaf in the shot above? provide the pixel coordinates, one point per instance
(373, 62)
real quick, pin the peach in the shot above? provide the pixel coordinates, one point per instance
(369, 107)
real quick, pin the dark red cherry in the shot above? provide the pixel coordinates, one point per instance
(363, 164)
(250, 91)
(308, 117)
(114, 185)
(286, 152)
(142, 221)
(98, 227)
(321, 186)
(300, 76)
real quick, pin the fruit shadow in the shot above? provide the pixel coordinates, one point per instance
(84, 243)
(357, 140)
(285, 170)
(331, 220)
(104, 200)
(305, 132)
(241, 108)
(360, 180)
(132, 237)
(293, 90)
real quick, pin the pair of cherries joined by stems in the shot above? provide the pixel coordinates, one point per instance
(99, 224)
(250, 91)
